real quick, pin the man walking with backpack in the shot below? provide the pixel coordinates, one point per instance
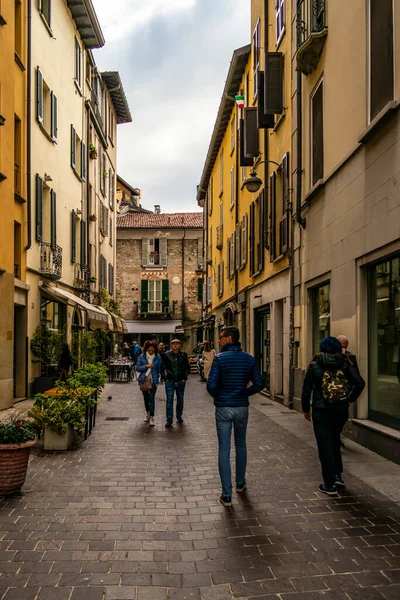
(333, 382)
(228, 383)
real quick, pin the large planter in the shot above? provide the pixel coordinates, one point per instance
(42, 384)
(57, 441)
(14, 460)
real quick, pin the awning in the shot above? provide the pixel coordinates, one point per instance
(110, 322)
(119, 323)
(97, 319)
(154, 327)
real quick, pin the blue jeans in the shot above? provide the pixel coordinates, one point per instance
(225, 417)
(149, 397)
(170, 388)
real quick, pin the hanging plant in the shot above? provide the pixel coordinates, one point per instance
(92, 150)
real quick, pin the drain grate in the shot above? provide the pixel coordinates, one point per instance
(117, 418)
(266, 404)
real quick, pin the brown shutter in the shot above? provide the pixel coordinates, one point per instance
(263, 121)
(251, 136)
(252, 239)
(284, 224)
(273, 89)
(244, 161)
(317, 135)
(272, 245)
(261, 232)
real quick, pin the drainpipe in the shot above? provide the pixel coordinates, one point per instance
(86, 108)
(183, 276)
(29, 131)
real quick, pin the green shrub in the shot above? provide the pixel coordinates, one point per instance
(18, 431)
(57, 412)
(89, 375)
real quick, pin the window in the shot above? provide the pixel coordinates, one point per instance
(45, 210)
(104, 219)
(103, 272)
(78, 63)
(233, 134)
(210, 196)
(221, 213)
(321, 314)
(17, 155)
(220, 277)
(284, 222)
(111, 279)
(111, 189)
(200, 290)
(154, 252)
(155, 296)
(232, 187)
(221, 172)
(232, 252)
(45, 10)
(384, 342)
(244, 242)
(103, 171)
(256, 55)
(244, 173)
(18, 28)
(317, 135)
(280, 10)
(209, 289)
(46, 107)
(381, 54)
(78, 155)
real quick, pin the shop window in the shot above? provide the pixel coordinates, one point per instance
(321, 314)
(384, 343)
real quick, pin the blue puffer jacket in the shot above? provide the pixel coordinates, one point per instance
(141, 368)
(231, 372)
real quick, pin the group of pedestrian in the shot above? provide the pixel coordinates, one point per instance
(154, 365)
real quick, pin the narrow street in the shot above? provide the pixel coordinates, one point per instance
(133, 514)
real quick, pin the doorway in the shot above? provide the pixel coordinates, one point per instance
(278, 342)
(20, 353)
(263, 342)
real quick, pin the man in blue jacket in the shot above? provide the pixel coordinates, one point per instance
(228, 383)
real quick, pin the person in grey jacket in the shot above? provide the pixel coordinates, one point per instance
(228, 383)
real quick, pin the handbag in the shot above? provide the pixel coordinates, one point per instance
(147, 384)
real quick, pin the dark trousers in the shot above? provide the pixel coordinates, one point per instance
(149, 400)
(328, 424)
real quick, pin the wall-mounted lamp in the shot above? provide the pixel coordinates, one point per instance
(47, 177)
(253, 183)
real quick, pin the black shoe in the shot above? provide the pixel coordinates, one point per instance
(330, 491)
(240, 487)
(179, 419)
(339, 481)
(168, 424)
(225, 500)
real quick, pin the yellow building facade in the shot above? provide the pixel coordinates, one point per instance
(247, 233)
(13, 193)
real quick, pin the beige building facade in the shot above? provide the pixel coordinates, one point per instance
(346, 148)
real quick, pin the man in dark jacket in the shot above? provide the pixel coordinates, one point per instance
(228, 383)
(330, 413)
(176, 370)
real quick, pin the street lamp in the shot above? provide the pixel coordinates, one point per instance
(253, 183)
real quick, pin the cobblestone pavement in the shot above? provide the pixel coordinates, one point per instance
(133, 515)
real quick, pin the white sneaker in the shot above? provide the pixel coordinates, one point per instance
(152, 422)
(147, 418)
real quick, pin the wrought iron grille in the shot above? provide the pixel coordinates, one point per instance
(50, 260)
(311, 18)
(82, 276)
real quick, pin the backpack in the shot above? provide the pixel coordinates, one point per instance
(335, 387)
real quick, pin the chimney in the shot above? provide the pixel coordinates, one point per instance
(157, 209)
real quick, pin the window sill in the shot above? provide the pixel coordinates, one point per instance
(383, 429)
(49, 30)
(78, 87)
(378, 121)
(19, 198)
(278, 258)
(153, 269)
(46, 134)
(77, 175)
(2, 177)
(19, 61)
(2, 20)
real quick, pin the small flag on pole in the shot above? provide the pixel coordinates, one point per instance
(240, 101)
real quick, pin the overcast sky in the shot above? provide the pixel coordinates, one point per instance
(173, 57)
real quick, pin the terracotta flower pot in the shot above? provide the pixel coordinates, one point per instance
(14, 460)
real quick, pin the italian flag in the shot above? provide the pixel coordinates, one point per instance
(240, 101)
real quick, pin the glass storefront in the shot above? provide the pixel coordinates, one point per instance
(321, 312)
(384, 342)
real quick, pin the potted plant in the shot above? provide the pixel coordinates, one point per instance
(16, 439)
(92, 151)
(93, 217)
(46, 345)
(61, 415)
(105, 174)
(89, 376)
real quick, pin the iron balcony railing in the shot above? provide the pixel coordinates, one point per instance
(51, 260)
(220, 235)
(311, 18)
(155, 307)
(82, 276)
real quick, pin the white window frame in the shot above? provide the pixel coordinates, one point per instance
(280, 12)
(77, 63)
(232, 188)
(153, 260)
(154, 291)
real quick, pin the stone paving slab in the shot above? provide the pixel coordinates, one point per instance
(133, 515)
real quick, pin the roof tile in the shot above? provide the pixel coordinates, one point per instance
(160, 221)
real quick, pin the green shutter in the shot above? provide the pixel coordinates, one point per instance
(199, 290)
(83, 242)
(39, 208)
(39, 96)
(73, 237)
(54, 117)
(53, 219)
(145, 252)
(83, 161)
(144, 295)
(165, 294)
(73, 147)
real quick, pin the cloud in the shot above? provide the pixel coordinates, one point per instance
(173, 70)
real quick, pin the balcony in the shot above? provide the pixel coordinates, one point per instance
(50, 260)
(220, 234)
(82, 277)
(312, 31)
(156, 309)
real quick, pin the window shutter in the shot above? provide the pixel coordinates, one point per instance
(252, 239)
(165, 294)
(238, 255)
(110, 188)
(200, 252)
(106, 220)
(54, 116)
(199, 290)
(382, 53)
(210, 196)
(318, 135)
(144, 296)
(83, 161)
(232, 187)
(243, 160)
(73, 237)
(261, 233)
(39, 96)
(73, 147)
(273, 88)
(163, 252)
(232, 256)
(263, 121)
(251, 137)
(53, 219)
(228, 256)
(204, 294)
(284, 224)
(83, 242)
(145, 252)
(272, 244)
(222, 278)
(245, 238)
(39, 208)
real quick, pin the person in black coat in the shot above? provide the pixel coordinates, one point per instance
(330, 412)
(66, 362)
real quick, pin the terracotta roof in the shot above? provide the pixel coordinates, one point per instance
(160, 221)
